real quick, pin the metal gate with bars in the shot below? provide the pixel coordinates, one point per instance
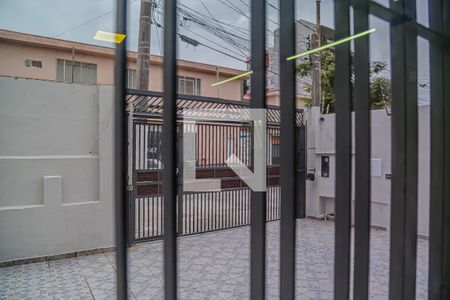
(199, 212)
(404, 31)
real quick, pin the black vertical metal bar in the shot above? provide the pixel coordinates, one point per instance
(145, 146)
(147, 199)
(287, 159)
(152, 215)
(213, 210)
(202, 211)
(362, 152)
(121, 155)
(403, 248)
(188, 213)
(169, 145)
(241, 196)
(439, 247)
(219, 145)
(343, 153)
(180, 199)
(185, 214)
(241, 207)
(132, 201)
(205, 128)
(220, 208)
(147, 220)
(192, 216)
(205, 213)
(187, 221)
(140, 154)
(161, 215)
(208, 211)
(217, 210)
(197, 145)
(196, 211)
(232, 208)
(201, 143)
(208, 150)
(301, 172)
(139, 217)
(139, 167)
(205, 144)
(222, 145)
(234, 211)
(227, 209)
(213, 137)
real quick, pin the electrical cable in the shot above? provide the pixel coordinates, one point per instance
(86, 22)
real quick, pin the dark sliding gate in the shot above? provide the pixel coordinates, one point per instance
(404, 31)
(199, 212)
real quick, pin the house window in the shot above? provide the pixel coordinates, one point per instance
(33, 63)
(75, 71)
(131, 79)
(189, 85)
(245, 86)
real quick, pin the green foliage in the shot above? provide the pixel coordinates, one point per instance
(380, 92)
(380, 86)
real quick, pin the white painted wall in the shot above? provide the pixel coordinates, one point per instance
(321, 141)
(56, 168)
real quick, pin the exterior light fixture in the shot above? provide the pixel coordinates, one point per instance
(109, 37)
(233, 78)
(338, 42)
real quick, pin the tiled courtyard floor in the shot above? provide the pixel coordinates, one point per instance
(211, 266)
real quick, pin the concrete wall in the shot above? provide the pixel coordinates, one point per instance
(321, 140)
(56, 168)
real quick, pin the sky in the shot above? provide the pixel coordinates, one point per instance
(79, 20)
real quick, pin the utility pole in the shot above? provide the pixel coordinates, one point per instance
(315, 59)
(143, 56)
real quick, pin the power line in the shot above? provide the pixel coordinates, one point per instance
(207, 46)
(87, 22)
(229, 55)
(233, 8)
(273, 6)
(211, 41)
(236, 41)
(206, 8)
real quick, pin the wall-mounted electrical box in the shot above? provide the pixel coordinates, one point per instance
(325, 166)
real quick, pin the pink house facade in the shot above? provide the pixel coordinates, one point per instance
(43, 58)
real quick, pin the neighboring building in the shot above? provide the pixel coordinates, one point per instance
(30, 56)
(304, 35)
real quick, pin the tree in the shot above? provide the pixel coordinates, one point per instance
(380, 93)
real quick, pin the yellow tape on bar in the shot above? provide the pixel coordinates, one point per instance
(233, 78)
(109, 37)
(338, 42)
